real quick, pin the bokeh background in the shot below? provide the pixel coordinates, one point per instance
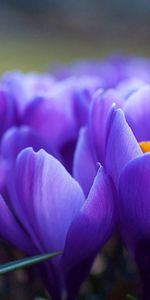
(37, 33)
(34, 33)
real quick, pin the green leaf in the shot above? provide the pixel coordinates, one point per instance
(130, 297)
(26, 262)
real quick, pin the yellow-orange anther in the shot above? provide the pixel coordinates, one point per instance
(145, 146)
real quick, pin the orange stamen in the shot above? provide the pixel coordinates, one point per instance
(145, 146)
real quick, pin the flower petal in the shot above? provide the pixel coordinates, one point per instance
(134, 208)
(25, 87)
(98, 118)
(121, 145)
(88, 232)
(127, 87)
(8, 114)
(48, 198)
(16, 139)
(53, 118)
(11, 231)
(84, 89)
(137, 112)
(134, 214)
(85, 164)
(4, 171)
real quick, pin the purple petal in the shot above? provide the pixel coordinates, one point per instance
(25, 87)
(83, 94)
(85, 164)
(11, 231)
(102, 69)
(66, 155)
(134, 207)
(121, 145)
(13, 141)
(48, 198)
(8, 114)
(137, 112)
(15, 83)
(98, 118)
(134, 214)
(16, 139)
(127, 87)
(88, 232)
(4, 170)
(52, 120)
(82, 101)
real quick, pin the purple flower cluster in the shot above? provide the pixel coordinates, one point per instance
(73, 165)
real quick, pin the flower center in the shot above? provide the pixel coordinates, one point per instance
(145, 146)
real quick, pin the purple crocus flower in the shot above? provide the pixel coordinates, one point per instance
(116, 147)
(95, 142)
(130, 175)
(45, 210)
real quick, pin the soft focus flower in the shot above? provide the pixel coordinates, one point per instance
(54, 111)
(112, 70)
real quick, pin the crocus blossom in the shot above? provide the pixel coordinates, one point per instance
(129, 168)
(45, 210)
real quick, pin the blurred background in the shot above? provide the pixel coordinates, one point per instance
(34, 33)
